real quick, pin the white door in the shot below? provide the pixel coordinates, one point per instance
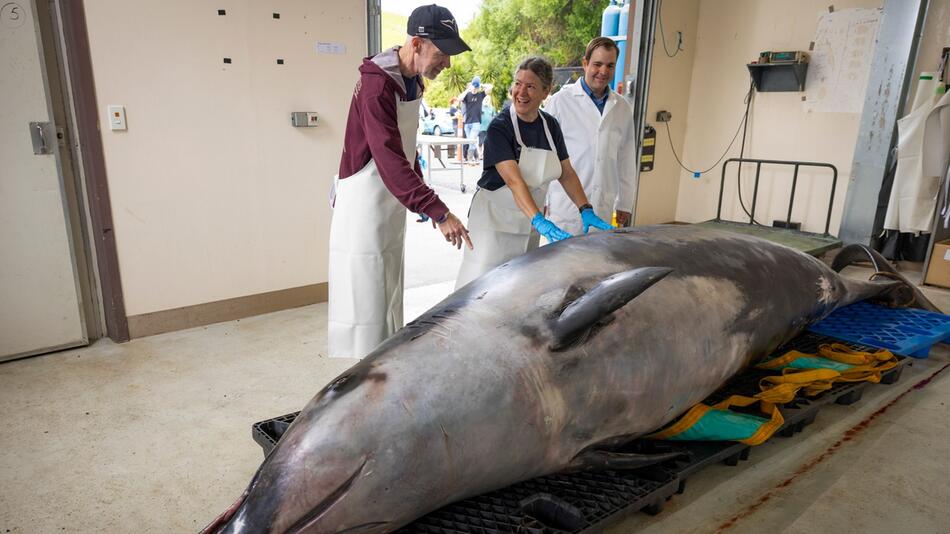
(39, 294)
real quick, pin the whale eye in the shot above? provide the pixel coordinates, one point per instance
(339, 382)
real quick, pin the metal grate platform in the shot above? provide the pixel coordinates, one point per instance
(813, 244)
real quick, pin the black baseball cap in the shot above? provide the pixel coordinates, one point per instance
(437, 24)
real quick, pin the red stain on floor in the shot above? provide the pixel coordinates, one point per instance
(848, 436)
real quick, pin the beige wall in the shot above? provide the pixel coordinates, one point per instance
(214, 194)
(731, 34)
(669, 90)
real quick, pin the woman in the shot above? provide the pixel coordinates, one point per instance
(524, 152)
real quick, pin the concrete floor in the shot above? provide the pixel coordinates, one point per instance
(431, 263)
(154, 436)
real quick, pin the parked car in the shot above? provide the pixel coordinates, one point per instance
(435, 121)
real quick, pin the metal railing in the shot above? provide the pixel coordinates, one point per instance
(791, 200)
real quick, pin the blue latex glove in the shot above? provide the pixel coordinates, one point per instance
(591, 219)
(548, 229)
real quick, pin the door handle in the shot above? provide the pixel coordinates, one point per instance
(38, 132)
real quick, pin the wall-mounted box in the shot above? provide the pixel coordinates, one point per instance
(303, 118)
(769, 77)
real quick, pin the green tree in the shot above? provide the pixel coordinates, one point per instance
(451, 82)
(506, 31)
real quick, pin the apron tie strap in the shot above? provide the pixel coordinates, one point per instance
(544, 123)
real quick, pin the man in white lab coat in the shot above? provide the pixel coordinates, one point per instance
(598, 130)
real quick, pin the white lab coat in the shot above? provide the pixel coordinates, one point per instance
(923, 146)
(603, 151)
(367, 244)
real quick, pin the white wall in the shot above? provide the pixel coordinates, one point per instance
(214, 194)
(731, 34)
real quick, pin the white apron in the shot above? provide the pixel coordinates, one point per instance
(367, 238)
(914, 193)
(496, 225)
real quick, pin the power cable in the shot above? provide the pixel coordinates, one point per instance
(679, 35)
(726, 151)
(743, 127)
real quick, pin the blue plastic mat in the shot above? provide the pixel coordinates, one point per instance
(904, 331)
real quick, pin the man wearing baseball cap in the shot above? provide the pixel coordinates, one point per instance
(379, 179)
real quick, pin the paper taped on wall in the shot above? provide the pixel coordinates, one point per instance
(841, 60)
(330, 48)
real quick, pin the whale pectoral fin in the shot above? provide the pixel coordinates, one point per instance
(595, 306)
(595, 459)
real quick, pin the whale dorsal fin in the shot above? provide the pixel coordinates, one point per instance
(603, 299)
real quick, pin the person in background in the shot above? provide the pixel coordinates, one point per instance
(454, 110)
(524, 152)
(598, 132)
(379, 179)
(472, 110)
(456, 113)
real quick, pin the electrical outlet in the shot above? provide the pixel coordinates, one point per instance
(663, 116)
(117, 118)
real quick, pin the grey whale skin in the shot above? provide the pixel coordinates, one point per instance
(517, 375)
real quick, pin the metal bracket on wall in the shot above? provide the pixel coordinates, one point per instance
(43, 136)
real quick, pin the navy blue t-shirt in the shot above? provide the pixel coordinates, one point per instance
(472, 106)
(502, 145)
(412, 87)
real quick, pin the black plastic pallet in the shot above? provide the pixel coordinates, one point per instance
(589, 501)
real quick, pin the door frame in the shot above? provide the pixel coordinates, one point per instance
(374, 26)
(641, 32)
(68, 59)
(67, 169)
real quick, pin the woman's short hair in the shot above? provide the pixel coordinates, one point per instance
(540, 67)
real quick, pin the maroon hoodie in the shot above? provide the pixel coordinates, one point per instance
(372, 132)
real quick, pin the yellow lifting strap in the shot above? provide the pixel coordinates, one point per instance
(781, 389)
(865, 367)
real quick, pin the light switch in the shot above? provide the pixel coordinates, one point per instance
(304, 118)
(117, 118)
